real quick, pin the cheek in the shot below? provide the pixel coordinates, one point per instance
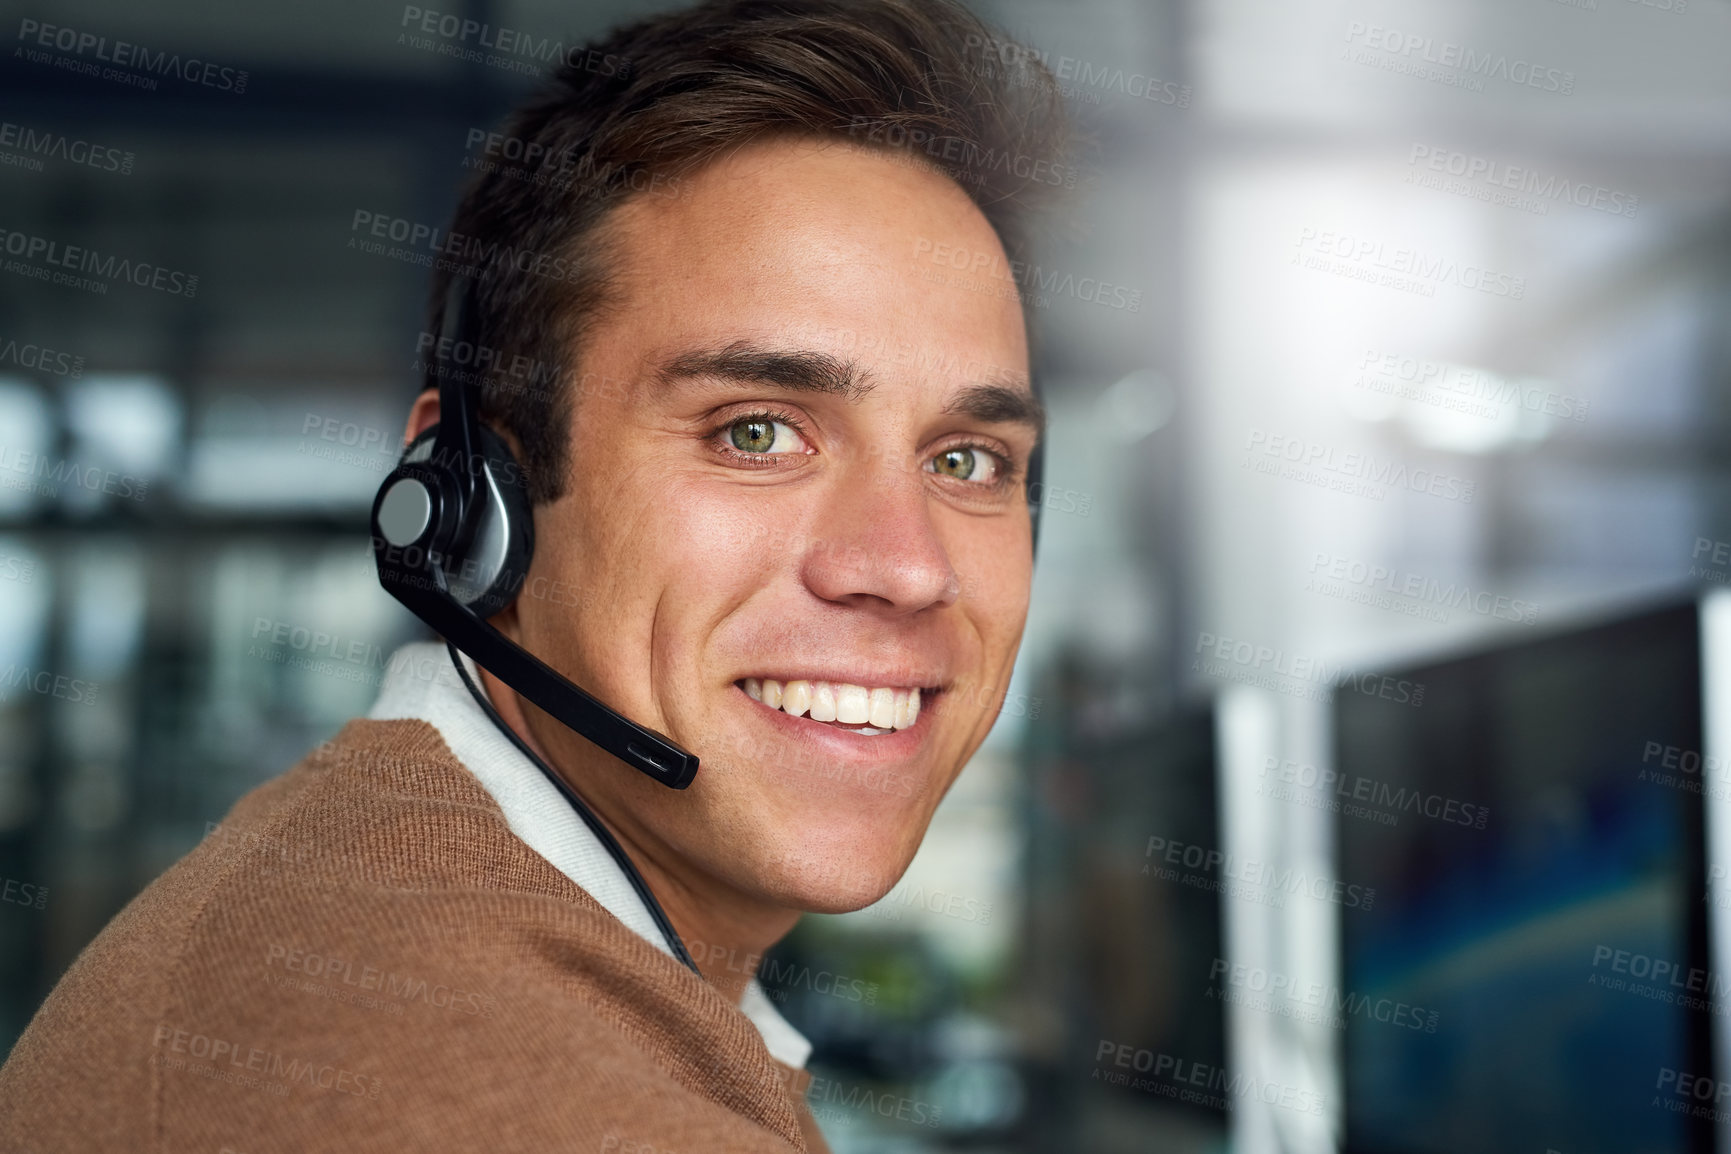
(643, 528)
(704, 550)
(995, 582)
(717, 543)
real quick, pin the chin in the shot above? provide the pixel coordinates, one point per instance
(841, 870)
(832, 895)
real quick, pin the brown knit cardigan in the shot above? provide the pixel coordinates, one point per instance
(363, 957)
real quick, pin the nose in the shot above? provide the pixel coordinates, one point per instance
(879, 548)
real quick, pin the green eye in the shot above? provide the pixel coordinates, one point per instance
(761, 435)
(754, 435)
(955, 463)
(960, 463)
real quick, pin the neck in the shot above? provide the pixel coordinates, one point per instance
(727, 932)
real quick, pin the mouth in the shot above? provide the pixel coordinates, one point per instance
(865, 710)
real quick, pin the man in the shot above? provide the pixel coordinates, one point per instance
(778, 505)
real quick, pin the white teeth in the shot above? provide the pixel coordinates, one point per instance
(879, 710)
(822, 701)
(852, 704)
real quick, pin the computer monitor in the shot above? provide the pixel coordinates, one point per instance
(1535, 834)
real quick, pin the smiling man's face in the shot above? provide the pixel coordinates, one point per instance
(797, 455)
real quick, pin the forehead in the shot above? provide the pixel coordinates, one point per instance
(821, 245)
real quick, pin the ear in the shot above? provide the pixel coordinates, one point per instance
(423, 415)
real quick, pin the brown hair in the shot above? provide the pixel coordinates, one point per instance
(655, 100)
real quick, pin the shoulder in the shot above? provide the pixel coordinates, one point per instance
(362, 951)
(352, 880)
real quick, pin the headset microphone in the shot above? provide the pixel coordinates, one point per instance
(452, 538)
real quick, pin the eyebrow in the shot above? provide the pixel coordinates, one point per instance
(1000, 404)
(745, 363)
(1011, 402)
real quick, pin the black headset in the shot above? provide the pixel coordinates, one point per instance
(453, 536)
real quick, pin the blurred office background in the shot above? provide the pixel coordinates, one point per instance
(1428, 387)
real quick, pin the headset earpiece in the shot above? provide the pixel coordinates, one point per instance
(486, 555)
